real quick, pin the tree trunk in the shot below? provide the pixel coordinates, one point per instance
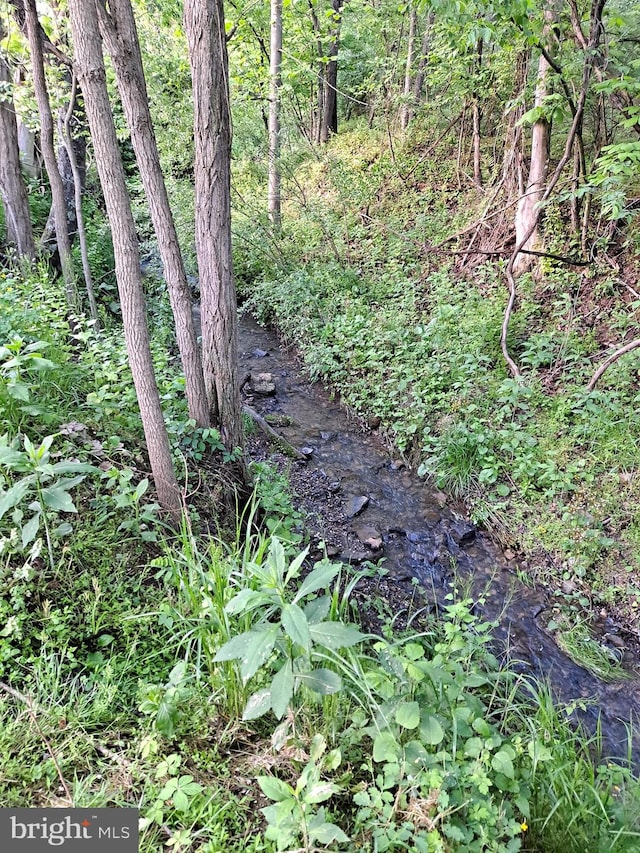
(78, 183)
(121, 37)
(91, 72)
(318, 111)
(418, 82)
(329, 123)
(204, 24)
(275, 82)
(527, 211)
(49, 154)
(405, 112)
(12, 188)
(512, 166)
(476, 117)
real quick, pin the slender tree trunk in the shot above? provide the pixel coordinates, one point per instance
(405, 113)
(49, 154)
(77, 198)
(12, 188)
(121, 37)
(275, 82)
(527, 212)
(204, 24)
(418, 82)
(476, 117)
(91, 72)
(512, 165)
(318, 111)
(329, 123)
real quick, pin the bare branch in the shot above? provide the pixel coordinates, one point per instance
(609, 361)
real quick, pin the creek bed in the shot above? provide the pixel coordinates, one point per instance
(391, 513)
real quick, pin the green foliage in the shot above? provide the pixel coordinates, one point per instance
(289, 632)
(294, 817)
(43, 490)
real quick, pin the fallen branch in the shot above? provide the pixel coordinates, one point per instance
(576, 262)
(609, 361)
(269, 431)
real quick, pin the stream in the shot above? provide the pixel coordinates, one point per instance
(421, 538)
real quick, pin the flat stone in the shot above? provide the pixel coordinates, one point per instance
(463, 533)
(369, 536)
(355, 505)
(351, 555)
(259, 353)
(263, 384)
(509, 554)
(615, 640)
(307, 452)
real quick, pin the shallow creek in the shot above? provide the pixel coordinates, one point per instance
(422, 539)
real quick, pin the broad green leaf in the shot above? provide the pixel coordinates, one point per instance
(58, 499)
(296, 626)
(431, 730)
(319, 578)
(10, 457)
(19, 391)
(275, 789)
(252, 649)
(328, 833)
(294, 567)
(282, 689)
(415, 753)
(30, 530)
(73, 468)
(141, 488)
(408, 715)
(386, 748)
(335, 635)
(277, 559)
(257, 705)
(318, 747)
(258, 652)
(246, 600)
(13, 496)
(320, 792)
(323, 681)
(317, 609)
(473, 747)
(67, 483)
(502, 763)
(235, 648)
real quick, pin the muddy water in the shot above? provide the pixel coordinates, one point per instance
(422, 540)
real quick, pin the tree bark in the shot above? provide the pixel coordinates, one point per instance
(405, 112)
(12, 188)
(92, 76)
(204, 24)
(48, 152)
(418, 82)
(329, 124)
(121, 38)
(78, 183)
(275, 83)
(527, 211)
